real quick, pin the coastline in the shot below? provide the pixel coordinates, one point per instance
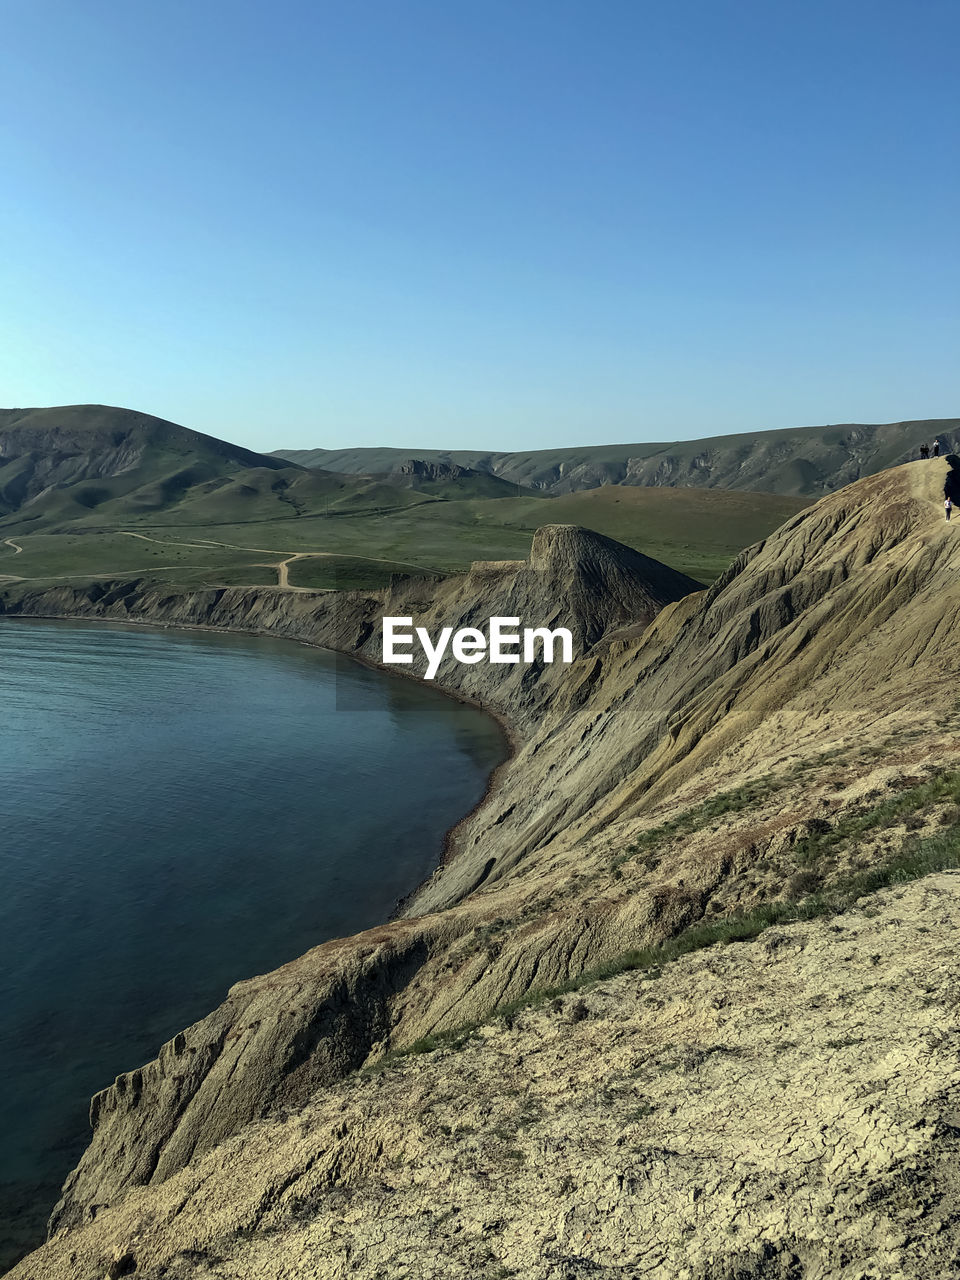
(344, 998)
(511, 740)
(35, 1212)
(494, 781)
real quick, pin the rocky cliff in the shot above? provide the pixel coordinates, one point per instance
(574, 578)
(703, 759)
(448, 479)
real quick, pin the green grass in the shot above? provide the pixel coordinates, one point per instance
(737, 800)
(945, 787)
(188, 488)
(347, 573)
(430, 535)
(453, 1039)
(696, 531)
(917, 859)
(52, 557)
(396, 539)
(725, 802)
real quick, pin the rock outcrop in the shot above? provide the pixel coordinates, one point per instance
(816, 673)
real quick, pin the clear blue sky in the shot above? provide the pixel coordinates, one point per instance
(481, 223)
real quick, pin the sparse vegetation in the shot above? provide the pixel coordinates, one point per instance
(899, 810)
(640, 1113)
(452, 1039)
(738, 800)
(738, 462)
(917, 857)
(690, 820)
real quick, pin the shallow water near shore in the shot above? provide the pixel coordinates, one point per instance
(178, 811)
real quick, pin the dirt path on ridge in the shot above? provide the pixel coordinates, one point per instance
(281, 566)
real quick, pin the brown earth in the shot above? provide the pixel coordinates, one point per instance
(784, 1108)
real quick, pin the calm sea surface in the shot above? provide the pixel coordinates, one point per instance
(178, 811)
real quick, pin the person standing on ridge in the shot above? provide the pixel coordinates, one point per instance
(924, 451)
(936, 448)
(947, 507)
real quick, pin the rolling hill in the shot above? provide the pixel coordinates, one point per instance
(94, 466)
(90, 491)
(802, 461)
(100, 453)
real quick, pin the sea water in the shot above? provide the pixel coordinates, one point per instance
(178, 811)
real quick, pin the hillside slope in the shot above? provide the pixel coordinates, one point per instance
(450, 480)
(797, 460)
(41, 448)
(781, 1110)
(780, 744)
(92, 469)
(700, 531)
(91, 492)
(837, 624)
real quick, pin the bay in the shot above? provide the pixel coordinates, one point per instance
(178, 811)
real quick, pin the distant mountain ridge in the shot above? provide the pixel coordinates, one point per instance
(81, 462)
(803, 461)
(100, 453)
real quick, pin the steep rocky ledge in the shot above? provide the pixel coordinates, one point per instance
(819, 670)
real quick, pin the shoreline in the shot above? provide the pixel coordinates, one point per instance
(494, 780)
(447, 848)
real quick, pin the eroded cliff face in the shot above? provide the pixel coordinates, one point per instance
(838, 624)
(836, 637)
